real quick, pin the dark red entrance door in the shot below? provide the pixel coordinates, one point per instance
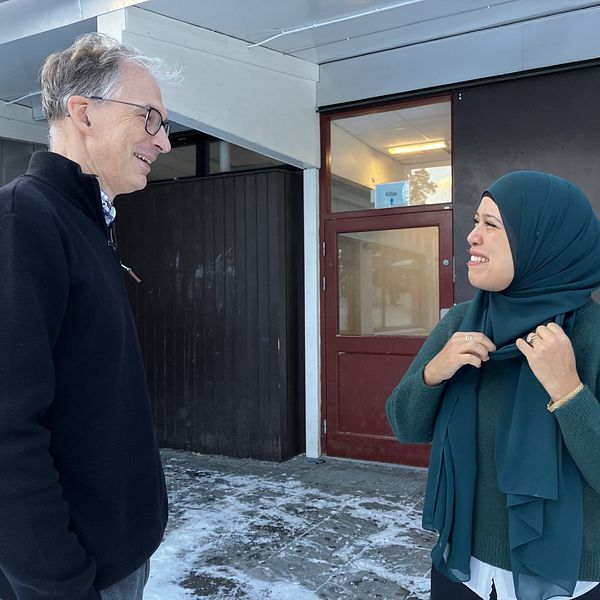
(386, 279)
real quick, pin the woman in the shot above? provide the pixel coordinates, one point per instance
(506, 386)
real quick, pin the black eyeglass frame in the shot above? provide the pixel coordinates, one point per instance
(148, 109)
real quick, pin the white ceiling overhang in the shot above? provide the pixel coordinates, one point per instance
(260, 99)
(23, 18)
(360, 49)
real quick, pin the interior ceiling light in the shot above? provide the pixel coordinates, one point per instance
(421, 147)
(333, 21)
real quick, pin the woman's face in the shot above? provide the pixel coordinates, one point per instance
(490, 264)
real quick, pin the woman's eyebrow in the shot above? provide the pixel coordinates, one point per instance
(486, 216)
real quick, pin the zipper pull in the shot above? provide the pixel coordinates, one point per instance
(133, 275)
(112, 242)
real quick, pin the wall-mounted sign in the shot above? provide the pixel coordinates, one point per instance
(389, 195)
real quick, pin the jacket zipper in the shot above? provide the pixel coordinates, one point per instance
(112, 242)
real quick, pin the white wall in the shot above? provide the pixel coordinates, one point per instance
(543, 42)
(312, 319)
(255, 98)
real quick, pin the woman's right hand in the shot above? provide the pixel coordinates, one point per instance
(463, 348)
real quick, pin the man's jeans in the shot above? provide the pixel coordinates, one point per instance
(130, 588)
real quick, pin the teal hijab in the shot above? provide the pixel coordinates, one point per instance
(554, 238)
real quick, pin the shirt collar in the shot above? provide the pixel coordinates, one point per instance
(110, 212)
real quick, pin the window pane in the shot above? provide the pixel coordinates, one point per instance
(225, 157)
(392, 158)
(179, 162)
(388, 282)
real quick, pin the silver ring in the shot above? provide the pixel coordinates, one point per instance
(468, 338)
(530, 337)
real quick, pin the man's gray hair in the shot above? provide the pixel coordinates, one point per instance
(91, 67)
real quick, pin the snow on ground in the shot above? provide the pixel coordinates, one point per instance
(257, 536)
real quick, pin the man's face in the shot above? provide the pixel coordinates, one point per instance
(121, 149)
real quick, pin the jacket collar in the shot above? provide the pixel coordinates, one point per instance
(66, 177)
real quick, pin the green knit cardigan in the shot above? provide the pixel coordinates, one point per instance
(412, 408)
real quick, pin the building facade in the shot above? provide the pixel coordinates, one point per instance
(398, 115)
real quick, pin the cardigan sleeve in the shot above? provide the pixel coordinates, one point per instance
(579, 418)
(579, 422)
(39, 554)
(412, 406)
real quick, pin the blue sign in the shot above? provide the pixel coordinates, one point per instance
(389, 195)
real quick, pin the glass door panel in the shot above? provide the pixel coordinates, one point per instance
(388, 282)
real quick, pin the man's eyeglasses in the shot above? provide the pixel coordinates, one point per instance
(154, 120)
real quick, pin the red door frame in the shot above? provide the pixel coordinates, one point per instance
(417, 454)
(367, 446)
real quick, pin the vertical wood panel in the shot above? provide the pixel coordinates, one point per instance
(219, 309)
(151, 306)
(240, 329)
(252, 330)
(168, 308)
(188, 347)
(294, 274)
(158, 317)
(176, 335)
(209, 306)
(277, 307)
(194, 216)
(229, 439)
(265, 418)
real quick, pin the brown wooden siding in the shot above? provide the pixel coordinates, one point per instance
(220, 309)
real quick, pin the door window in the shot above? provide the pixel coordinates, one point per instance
(388, 281)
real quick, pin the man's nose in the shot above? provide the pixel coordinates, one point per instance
(161, 141)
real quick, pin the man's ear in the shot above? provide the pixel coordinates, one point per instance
(78, 108)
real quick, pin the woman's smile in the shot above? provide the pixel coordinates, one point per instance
(476, 259)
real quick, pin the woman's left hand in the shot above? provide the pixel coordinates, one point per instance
(551, 358)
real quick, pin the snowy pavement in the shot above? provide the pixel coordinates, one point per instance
(246, 529)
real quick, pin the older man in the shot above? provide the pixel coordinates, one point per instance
(82, 495)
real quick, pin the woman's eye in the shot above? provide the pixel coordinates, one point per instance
(487, 224)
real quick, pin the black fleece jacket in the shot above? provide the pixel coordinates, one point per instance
(82, 495)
